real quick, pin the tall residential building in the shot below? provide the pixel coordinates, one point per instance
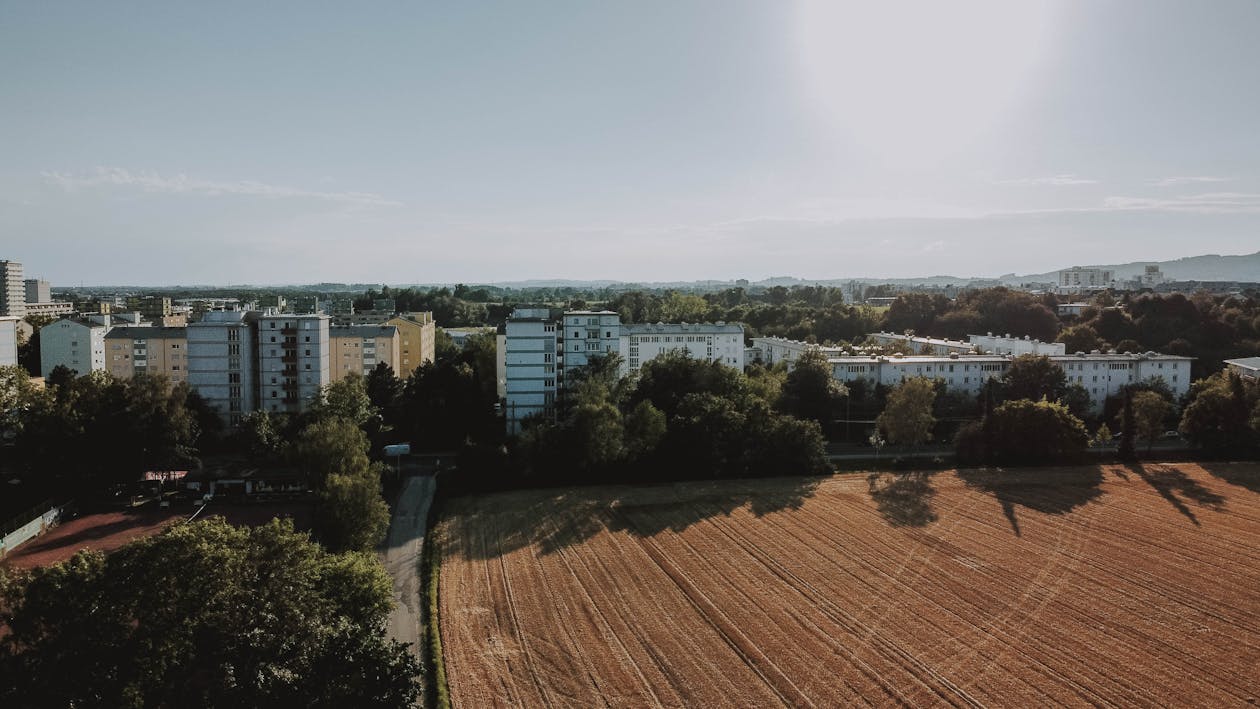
(77, 344)
(37, 291)
(293, 361)
(155, 307)
(12, 289)
(532, 352)
(133, 350)
(359, 348)
(543, 348)
(8, 340)
(417, 338)
(222, 362)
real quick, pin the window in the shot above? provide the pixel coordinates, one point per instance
(234, 349)
(234, 335)
(175, 368)
(308, 353)
(308, 338)
(308, 367)
(234, 377)
(273, 338)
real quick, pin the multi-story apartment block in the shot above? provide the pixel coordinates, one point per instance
(543, 347)
(222, 362)
(8, 340)
(417, 339)
(37, 291)
(155, 308)
(77, 344)
(1079, 278)
(983, 344)
(12, 289)
(716, 342)
(52, 309)
(1247, 367)
(134, 350)
(293, 361)
(358, 349)
(533, 350)
(772, 350)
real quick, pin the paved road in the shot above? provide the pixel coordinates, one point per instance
(402, 557)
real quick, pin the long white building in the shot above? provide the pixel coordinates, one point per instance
(543, 347)
(715, 342)
(980, 344)
(1101, 374)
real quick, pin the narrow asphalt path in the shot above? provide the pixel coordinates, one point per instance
(401, 557)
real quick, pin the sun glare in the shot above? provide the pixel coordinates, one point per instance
(906, 82)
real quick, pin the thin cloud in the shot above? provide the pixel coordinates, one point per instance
(1053, 180)
(1210, 203)
(183, 184)
(1189, 180)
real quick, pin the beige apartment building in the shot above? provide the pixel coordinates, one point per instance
(359, 348)
(147, 350)
(417, 335)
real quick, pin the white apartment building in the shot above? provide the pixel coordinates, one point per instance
(983, 344)
(532, 353)
(77, 344)
(1005, 344)
(1247, 367)
(1073, 308)
(714, 342)
(293, 361)
(12, 289)
(222, 356)
(542, 347)
(1079, 278)
(772, 350)
(1102, 375)
(51, 308)
(8, 340)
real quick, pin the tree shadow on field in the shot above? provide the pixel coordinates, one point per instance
(1173, 484)
(1055, 491)
(1241, 474)
(550, 520)
(903, 499)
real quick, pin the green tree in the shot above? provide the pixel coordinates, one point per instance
(350, 514)
(208, 615)
(810, 390)
(328, 446)
(1034, 377)
(1216, 417)
(907, 417)
(1080, 338)
(1024, 432)
(644, 429)
(1149, 413)
(346, 399)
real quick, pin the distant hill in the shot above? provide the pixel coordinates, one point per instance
(1210, 267)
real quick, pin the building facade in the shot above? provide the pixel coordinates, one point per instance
(1079, 278)
(9, 340)
(12, 289)
(293, 361)
(713, 342)
(533, 351)
(37, 291)
(132, 350)
(1247, 367)
(358, 349)
(417, 339)
(77, 344)
(1101, 375)
(222, 362)
(543, 348)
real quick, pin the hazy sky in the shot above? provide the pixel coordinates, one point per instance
(475, 141)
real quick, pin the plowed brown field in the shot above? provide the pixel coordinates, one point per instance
(1117, 585)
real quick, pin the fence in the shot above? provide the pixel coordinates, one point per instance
(16, 531)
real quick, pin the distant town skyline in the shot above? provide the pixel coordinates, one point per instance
(420, 143)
